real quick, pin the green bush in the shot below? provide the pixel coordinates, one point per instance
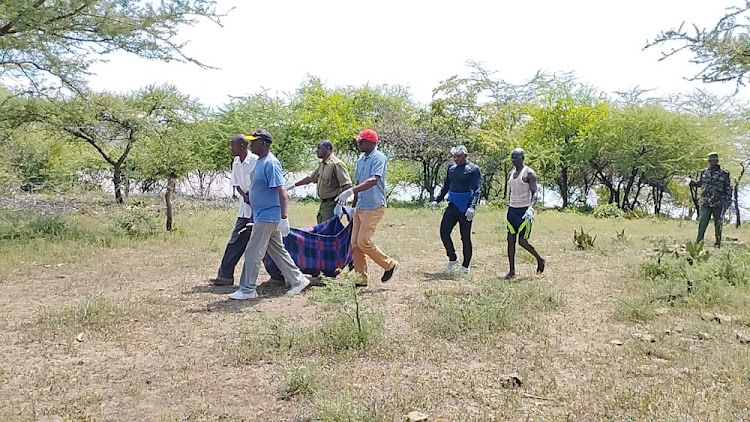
(19, 227)
(135, 222)
(636, 214)
(608, 211)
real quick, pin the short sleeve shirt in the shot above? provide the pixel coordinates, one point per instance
(330, 176)
(264, 198)
(241, 177)
(368, 165)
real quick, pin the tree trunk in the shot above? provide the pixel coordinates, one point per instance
(564, 187)
(117, 180)
(736, 193)
(171, 183)
(658, 194)
(738, 223)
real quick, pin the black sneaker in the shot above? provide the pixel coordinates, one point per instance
(221, 281)
(388, 274)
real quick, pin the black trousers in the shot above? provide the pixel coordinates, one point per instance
(236, 248)
(451, 217)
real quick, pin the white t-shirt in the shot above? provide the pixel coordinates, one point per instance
(242, 177)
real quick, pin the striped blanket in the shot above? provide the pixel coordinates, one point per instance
(324, 248)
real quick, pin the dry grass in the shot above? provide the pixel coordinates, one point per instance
(160, 344)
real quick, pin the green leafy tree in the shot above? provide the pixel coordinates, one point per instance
(56, 41)
(722, 52)
(556, 134)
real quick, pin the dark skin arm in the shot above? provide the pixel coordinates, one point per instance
(282, 200)
(306, 181)
(243, 194)
(531, 179)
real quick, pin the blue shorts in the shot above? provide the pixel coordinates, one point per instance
(516, 224)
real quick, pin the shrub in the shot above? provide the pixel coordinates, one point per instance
(608, 211)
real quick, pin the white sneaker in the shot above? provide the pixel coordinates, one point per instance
(451, 265)
(298, 288)
(239, 295)
(463, 270)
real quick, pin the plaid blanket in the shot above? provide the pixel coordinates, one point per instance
(320, 249)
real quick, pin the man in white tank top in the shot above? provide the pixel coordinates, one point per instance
(523, 197)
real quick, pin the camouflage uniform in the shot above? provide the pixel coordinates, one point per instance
(715, 198)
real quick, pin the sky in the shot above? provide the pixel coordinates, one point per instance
(275, 45)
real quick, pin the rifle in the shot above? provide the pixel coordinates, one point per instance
(694, 195)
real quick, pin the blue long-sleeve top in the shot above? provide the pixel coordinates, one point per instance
(462, 185)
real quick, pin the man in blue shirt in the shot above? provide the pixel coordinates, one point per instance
(369, 203)
(269, 203)
(462, 182)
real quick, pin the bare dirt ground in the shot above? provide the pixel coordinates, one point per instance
(134, 332)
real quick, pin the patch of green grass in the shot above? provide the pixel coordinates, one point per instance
(346, 321)
(477, 313)
(342, 408)
(634, 309)
(722, 280)
(303, 380)
(92, 312)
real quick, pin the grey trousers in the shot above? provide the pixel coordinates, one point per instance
(266, 237)
(236, 248)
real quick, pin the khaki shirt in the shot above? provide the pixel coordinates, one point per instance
(330, 176)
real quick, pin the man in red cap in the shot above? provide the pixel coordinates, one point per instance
(369, 206)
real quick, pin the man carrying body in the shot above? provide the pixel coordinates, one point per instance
(332, 178)
(370, 204)
(523, 196)
(461, 184)
(242, 167)
(269, 204)
(716, 197)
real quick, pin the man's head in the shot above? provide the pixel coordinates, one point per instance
(367, 140)
(260, 142)
(517, 156)
(713, 159)
(325, 149)
(460, 155)
(238, 145)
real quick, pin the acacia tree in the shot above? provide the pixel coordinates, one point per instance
(48, 43)
(113, 124)
(644, 147)
(563, 116)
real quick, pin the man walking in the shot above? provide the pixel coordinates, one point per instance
(523, 196)
(242, 167)
(269, 203)
(462, 183)
(716, 197)
(369, 206)
(332, 178)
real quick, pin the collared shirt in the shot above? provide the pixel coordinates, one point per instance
(716, 184)
(264, 197)
(241, 177)
(368, 165)
(330, 176)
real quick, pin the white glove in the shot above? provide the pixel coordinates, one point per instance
(433, 205)
(344, 196)
(284, 227)
(529, 215)
(290, 187)
(338, 210)
(470, 213)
